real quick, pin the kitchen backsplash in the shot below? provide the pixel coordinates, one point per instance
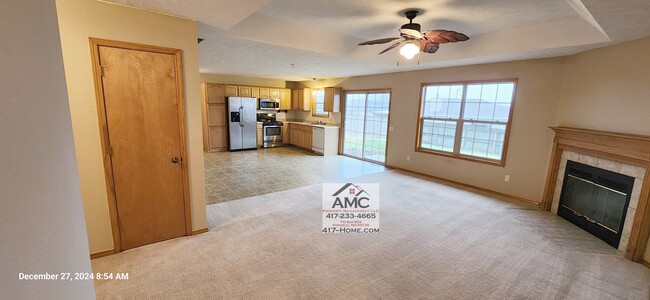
(305, 116)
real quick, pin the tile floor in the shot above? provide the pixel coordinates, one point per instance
(235, 175)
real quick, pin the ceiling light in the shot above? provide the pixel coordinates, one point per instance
(409, 50)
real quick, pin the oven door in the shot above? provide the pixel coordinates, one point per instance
(272, 136)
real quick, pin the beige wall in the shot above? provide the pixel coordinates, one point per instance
(42, 225)
(81, 19)
(530, 139)
(608, 89)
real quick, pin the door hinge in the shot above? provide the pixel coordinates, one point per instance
(110, 150)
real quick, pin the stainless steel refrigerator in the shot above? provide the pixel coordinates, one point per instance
(242, 123)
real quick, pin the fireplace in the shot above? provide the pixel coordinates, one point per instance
(595, 200)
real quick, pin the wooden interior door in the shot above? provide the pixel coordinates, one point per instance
(143, 110)
(217, 124)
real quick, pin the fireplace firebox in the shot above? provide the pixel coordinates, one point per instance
(595, 200)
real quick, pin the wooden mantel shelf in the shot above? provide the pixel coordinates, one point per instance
(623, 147)
(633, 149)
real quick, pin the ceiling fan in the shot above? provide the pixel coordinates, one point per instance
(413, 41)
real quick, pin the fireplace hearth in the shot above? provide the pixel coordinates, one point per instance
(595, 200)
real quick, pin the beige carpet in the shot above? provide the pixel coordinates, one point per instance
(436, 242)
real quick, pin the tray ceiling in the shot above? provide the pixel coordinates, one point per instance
(303, 39)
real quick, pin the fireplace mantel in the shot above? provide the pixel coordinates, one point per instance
(626, 148)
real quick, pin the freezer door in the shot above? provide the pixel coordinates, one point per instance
(249, 119)
(234, 123)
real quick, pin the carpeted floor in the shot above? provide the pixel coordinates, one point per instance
(436, 242)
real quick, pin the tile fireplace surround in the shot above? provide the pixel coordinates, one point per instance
(627, 154)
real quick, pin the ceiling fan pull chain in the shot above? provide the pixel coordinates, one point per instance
(398, 58)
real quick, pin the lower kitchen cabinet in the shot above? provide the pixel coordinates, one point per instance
(286, 134)
(300, 135)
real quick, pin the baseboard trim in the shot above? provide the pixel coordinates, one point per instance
(102, 253)
(468, 186)
(204, 230)
(645, 263)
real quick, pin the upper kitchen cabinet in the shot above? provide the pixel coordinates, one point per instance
(332, 99)
(264, 93)
(285, 99)
(255, 92)
(274, 93)
(214, 93)
(231, 90)
(301, 99)
(244, 91)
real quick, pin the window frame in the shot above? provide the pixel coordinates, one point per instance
(313, 104)
(344, 95)
(460, 122)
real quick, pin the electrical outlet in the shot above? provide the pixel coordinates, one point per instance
(507, 178)
(390, 128)
(408, 158)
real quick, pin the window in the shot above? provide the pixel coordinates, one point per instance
(318, 104)
(468, 120)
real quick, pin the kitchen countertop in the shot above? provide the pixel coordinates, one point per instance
(311, 124)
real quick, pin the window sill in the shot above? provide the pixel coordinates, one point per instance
(499, 163)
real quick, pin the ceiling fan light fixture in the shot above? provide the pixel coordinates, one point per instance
(409, 50)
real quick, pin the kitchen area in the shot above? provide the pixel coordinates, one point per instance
(259, 140)
(282, 118)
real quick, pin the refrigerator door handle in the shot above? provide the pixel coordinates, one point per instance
(241, 116)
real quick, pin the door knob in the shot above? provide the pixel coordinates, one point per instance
(175, 160)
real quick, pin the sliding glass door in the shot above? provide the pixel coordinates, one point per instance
(365, 125)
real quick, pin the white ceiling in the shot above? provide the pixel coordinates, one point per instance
(305, 39)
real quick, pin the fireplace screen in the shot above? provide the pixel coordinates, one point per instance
(596, 200)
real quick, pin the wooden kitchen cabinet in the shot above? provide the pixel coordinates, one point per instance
(244, 91)
(264, 92)
(255, 92)
(286, 134)
(285, 99)
(215, 125)
(332, 99)
(293, 134)
(260, 135)
(231, 90)
(301, 99)
(301, 135)
(274, 94)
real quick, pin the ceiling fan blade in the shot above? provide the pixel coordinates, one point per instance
(444, 36)
(379, 41)
(427, 46)
(410, 33)
(390, 48)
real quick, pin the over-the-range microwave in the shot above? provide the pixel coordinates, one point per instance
(269, 104)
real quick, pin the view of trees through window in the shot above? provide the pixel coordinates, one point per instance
(366, 125)
(466, 119)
